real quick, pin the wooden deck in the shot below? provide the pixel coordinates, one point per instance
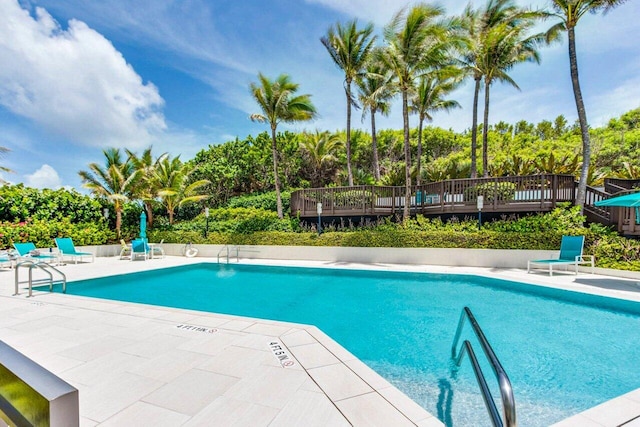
(534, 193)
(514, 194)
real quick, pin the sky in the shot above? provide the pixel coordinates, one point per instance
(78, 76)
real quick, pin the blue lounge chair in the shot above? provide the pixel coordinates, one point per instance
(67, 249)
(28, 251)
(570, 254)
(6, 260)
(139, 248)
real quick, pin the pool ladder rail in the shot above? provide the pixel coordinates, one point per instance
(228, 249)
(48, 269)
(506, 391)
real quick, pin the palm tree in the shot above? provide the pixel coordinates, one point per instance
(146, 189)
(416, 43)
(278, 104)
(504, 46)
(319, 148)
(115, 181)
(376, 90)
(569, 12)
(174, 188)
(475, 24)
(429, 98)
(349, 48)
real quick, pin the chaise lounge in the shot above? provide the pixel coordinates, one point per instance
(28, 251)
(570, 254)
(67, 249)
(140, 248)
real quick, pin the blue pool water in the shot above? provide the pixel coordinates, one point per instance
(564, 351)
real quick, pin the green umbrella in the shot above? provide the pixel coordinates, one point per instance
(143, 225)
(627, 201)
(631, 200)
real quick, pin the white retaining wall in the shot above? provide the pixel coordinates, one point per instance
(497, 258)
(425, 256)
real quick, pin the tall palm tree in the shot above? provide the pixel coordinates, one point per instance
(320, 150)
(146, 189)
(569, 12)
(349, 48)
(278, 103)
(174, 188)
(376, 89)
(474, 26)
(504, 46)
(429, 98)
(115, 181)
(416, 42)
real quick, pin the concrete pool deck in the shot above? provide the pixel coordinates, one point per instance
(137, 364)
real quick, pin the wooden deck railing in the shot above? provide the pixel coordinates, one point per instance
(595, 213)
(531, 193)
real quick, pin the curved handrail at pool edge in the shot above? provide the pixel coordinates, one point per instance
(506, 391)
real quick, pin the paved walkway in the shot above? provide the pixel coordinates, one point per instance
(143, 365)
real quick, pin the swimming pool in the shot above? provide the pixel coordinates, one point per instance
(563, 351)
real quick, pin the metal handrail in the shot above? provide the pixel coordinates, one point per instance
(226, 247)
(506, 391)
(45, 268)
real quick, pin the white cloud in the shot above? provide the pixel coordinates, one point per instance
(379, 12)
(73, 82)
(613, 103)
(45, 177)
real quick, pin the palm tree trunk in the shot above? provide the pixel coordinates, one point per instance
(407, 156)
(276, 179)
(582, 118)
(348, 92)
(374, 146)
(419, 156)
(485, 132)
(118, 220)
(149, 208)
(474, 130)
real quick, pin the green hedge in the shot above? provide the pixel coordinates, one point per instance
(19, 203)
(392, 239)
(43, 233)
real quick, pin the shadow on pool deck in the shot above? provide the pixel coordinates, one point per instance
(613, 284)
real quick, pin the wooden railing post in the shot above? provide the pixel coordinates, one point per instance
(393, 200)
(554, 195)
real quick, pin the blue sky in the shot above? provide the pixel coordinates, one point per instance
(80, 76)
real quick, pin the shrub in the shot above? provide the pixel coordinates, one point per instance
(42, 233)
(491, 191)
(265, 201)
(565, 218)
(235, 220)
(19, 203)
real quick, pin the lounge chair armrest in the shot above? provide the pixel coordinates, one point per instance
(583, 259)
